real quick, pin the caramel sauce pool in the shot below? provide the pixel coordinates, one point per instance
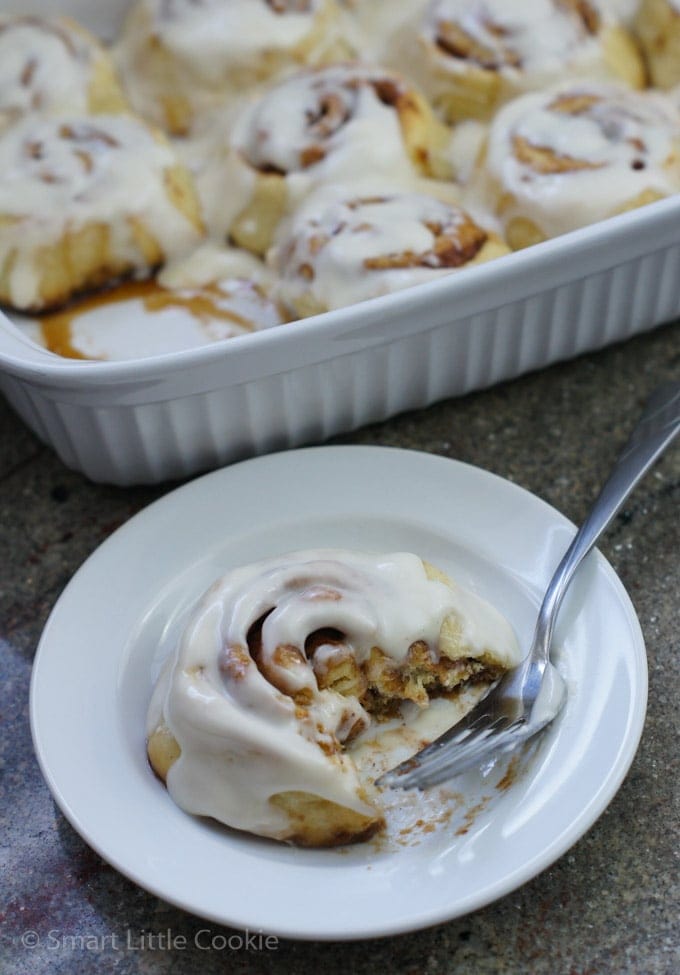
(205, 305)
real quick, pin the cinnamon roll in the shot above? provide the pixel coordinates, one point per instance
(180, 58)
(53, 65)
(84, 200)
(326, 125)
(657, 26)
(341, 248)
(286, 662)
(470, 56)
(562, 159)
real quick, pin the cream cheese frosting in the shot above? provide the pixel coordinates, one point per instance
(534, 41)
(61, 174)
(205, 51)
(46, 65)
(243, 738)
(534, 37)
(337, 121)
(214, 34)
(342, 247)
(601, 147)
(317, 127)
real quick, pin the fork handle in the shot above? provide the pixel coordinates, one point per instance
(656, 428)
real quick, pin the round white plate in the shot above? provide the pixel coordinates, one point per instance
(121, 612)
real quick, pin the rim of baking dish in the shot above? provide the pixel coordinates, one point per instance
(597, 247)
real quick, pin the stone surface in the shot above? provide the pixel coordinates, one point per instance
(610, 905)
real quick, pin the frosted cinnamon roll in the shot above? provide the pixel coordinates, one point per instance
(562, 159)
(340, 249)
(286, 662)
(470, 56)
(53, 65)
(657, 27)
(182, 57)
(84, 200)
(327, 125)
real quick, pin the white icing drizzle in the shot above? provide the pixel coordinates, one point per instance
(212, 35)
(216, 49)
(241, 739)
(215, 264)
(222, 182)
(534, 39)
(45, 65)
(622, 144)
(330, 247)
(62, 174)
(465, 148)
(334, 122)
(321, 126)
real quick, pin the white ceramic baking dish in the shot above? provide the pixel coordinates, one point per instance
(149, 420)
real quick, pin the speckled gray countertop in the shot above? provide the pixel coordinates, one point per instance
(609, 905)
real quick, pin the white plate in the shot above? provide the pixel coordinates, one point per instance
(120, 613)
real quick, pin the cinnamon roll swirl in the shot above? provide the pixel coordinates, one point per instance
(657, 27)
(53, 65)
(339, 249)
(470, 56)
(84, 200)
(327, 125)
(282, 667)
(182, 57)
(562, 159)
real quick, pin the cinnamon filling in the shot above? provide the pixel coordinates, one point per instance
(454, 246)
(83, 135)
(83, 132)
(586, 13)
(457, 43)
(576, 104)
(612, 124)
(336, 108)
(290, 6)
(544, 160)
(379, 683)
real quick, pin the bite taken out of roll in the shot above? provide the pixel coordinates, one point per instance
(53, 65)
(343, 246)
(471, 56)
(286, 662)
(562, 159)
(180, 58)
(323, 126)
(85, 200)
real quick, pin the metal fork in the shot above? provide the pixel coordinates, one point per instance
(529, 697)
